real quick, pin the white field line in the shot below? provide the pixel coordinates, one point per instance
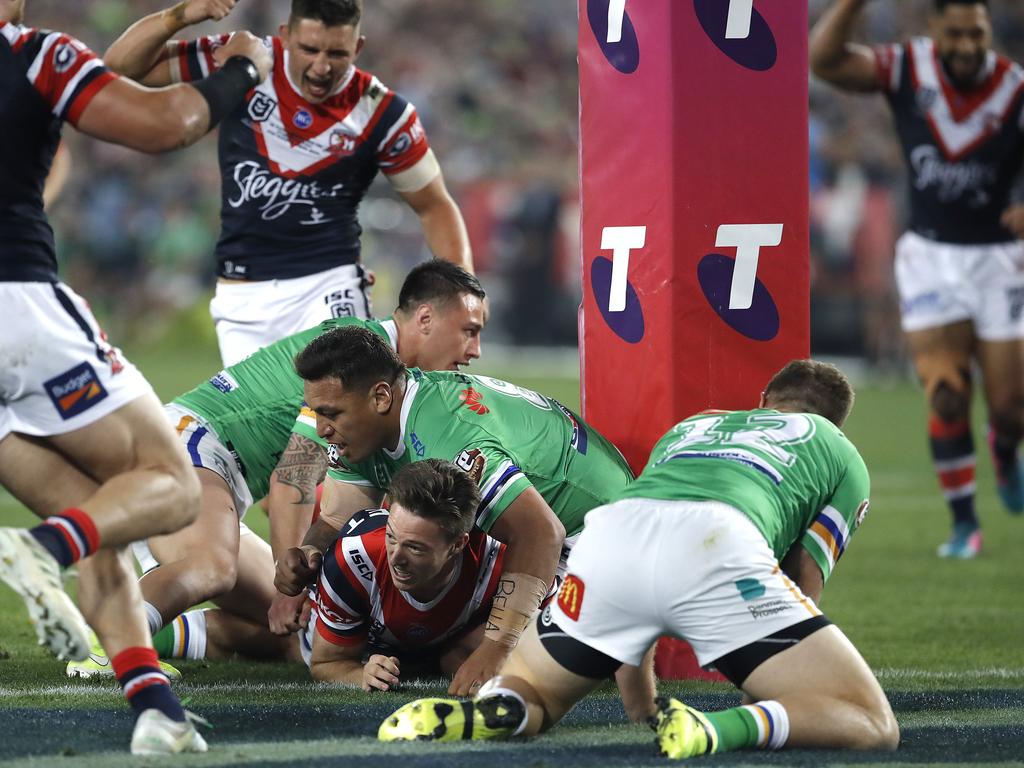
(895, 674)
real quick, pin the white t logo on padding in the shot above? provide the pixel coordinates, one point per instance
(620, 241)
(616, 10)
(747, 239)
(738, 25)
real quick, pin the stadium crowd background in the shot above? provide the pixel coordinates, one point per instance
(495, 83)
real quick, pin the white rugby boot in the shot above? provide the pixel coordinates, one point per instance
(156, 734)
(32, 572)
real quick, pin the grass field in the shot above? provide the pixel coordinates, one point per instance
(945, 638)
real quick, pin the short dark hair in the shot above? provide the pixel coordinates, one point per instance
(437, 281)
(439, 491)
(357, 357)
(810, 386)
(333, 13)
(940, 5)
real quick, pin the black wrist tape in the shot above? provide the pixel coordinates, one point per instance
(227, 86)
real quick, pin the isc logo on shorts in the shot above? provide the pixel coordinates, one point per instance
(75, 391)
(570, 597)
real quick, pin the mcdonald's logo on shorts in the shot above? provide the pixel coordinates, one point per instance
(570, 596)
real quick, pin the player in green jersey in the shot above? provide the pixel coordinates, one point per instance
(734, 525)
(540, 468)
(241, 433)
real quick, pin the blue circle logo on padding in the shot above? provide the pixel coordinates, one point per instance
(628, 324)
(624, 54)
(760, 322)
(756, 51)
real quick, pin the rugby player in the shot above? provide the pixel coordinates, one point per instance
(82, 440)
(540, 469)
(240, 431)
(735, 524)
(408, 596)
(295, 160)
(959, 112)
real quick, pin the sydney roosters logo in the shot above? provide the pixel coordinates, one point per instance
(473, 401)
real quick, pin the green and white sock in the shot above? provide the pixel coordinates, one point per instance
(764, 725)
(183, 638)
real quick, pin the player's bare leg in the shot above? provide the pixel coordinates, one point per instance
(637, 688)
(1002, 366)
(942, 357)
(198, 562)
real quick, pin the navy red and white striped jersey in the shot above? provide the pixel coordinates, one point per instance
(964, 149)
(293, 173)
(45, 78)
(357, 602)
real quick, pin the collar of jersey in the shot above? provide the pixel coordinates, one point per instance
(341, 86)
(412, 385)
(456, 572)
(391, 329)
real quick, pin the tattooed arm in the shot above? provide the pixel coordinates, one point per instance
(292, 495)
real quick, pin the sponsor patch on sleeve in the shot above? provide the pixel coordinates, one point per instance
(75, 391)
(473, 462)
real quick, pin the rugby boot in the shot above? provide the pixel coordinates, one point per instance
(964, 543)
(1010, 486)
(157, 734)
(492, 717)
(682, 731)
(32, 572)
(97, 664)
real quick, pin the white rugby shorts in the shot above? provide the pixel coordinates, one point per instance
(944, 283)
(250, 315)
(58, 372)
(696, 570)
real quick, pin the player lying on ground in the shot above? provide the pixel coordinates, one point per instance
(540, 468)
(82, 440)
(407, 595)
(734, 525)
(240, 431)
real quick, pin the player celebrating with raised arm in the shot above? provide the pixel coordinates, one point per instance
(734, 525)
(409, 595)
(82, 440)
(959, 112)
(296, 158)
(240, 431)
(539, 466)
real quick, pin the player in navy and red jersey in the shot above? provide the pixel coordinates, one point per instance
(83, 442)
(959, 112)
(296, 159)
(411, 589)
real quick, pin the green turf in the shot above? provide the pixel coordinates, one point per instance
(945, 639)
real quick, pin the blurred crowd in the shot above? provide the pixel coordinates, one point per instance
(472, 67)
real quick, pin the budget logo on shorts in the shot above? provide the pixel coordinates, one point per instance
(75, 391)
(570, 596)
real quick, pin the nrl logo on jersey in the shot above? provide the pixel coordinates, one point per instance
(261, 106)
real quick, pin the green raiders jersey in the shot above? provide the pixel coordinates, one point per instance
(252, 405)
(795, 475)
(507, 438)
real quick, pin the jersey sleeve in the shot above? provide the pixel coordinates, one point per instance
(341, 608)
(193, 59)
(888, 66)
(500, 480)
(404, 154)
(829, 533)
(305, 425)
(67, 75)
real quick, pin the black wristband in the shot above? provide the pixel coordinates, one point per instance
(226, 87)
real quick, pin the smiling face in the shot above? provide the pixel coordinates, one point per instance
(420, 554)
(963, 37)
(319, 57)
(354, 421)
(448, 334)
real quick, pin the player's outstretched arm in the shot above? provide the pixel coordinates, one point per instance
(834, 57)
(292, 494)
(158, 120)
(142, 51)
(533, 539)
(442, 223)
